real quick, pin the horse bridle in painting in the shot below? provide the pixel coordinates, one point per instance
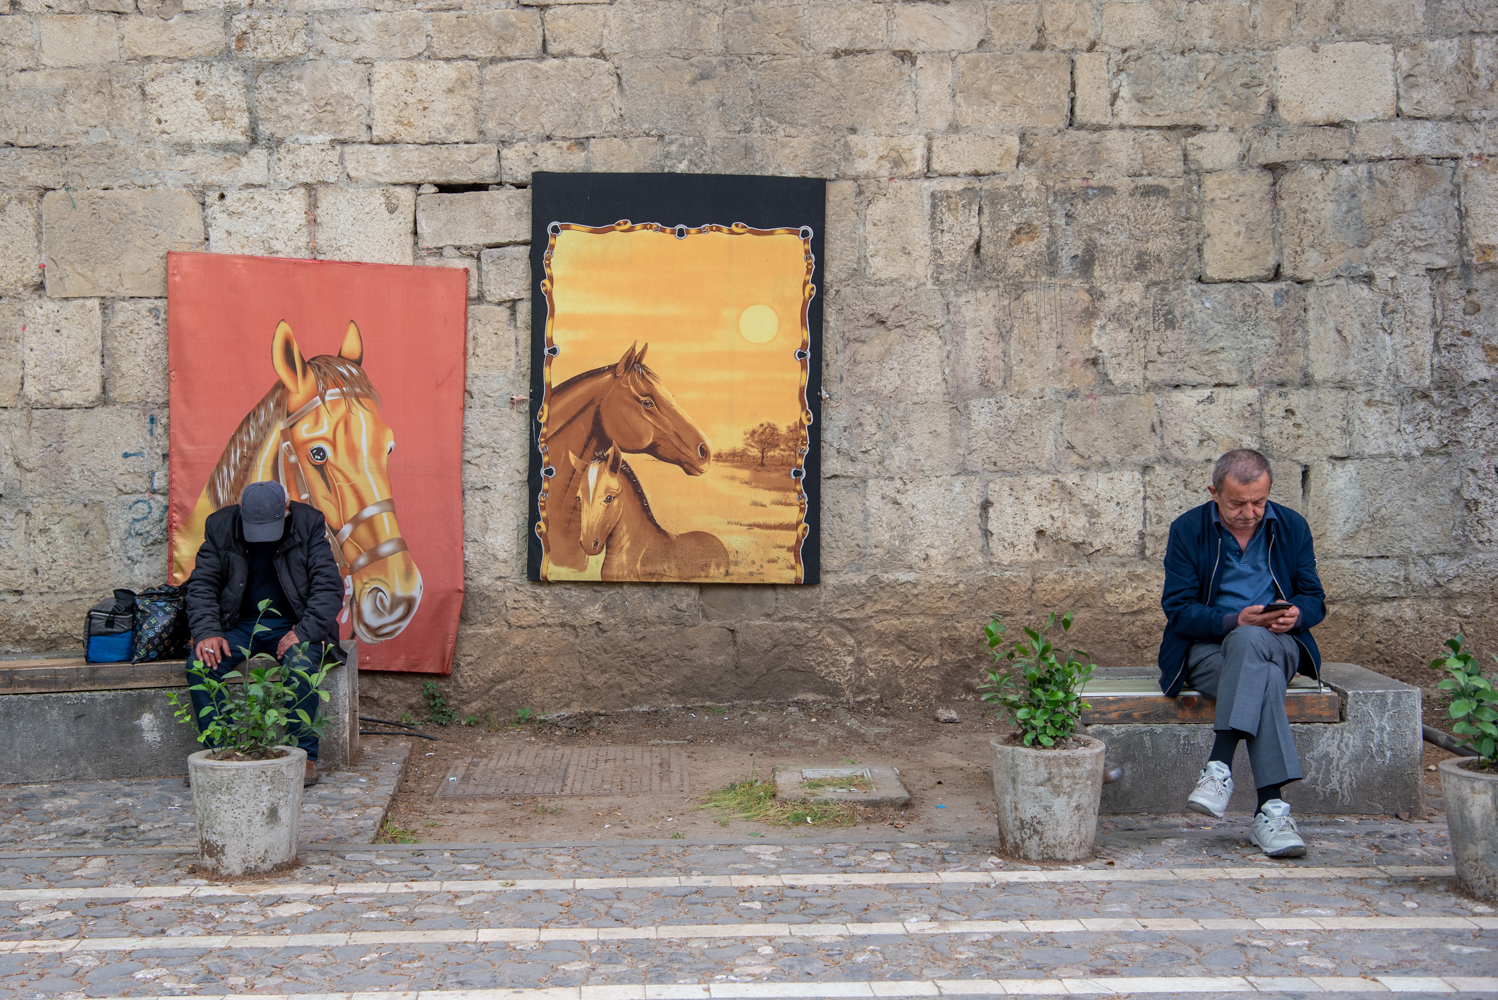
(385, 549)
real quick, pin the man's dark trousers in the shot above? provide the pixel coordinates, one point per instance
(243, 635)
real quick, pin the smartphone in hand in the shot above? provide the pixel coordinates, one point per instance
(1276, 606)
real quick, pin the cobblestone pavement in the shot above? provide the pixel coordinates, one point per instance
(344, 807)
(1164, 901)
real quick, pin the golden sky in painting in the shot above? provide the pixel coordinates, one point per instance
(685, 298)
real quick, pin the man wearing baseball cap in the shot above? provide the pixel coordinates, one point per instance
(266, 548)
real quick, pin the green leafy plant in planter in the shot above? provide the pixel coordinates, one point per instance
(251, 719)
(1474, 702)
(1037, 686)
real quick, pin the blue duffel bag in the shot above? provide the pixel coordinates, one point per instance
(110, 629)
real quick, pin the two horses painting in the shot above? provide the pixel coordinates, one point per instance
(593, 419)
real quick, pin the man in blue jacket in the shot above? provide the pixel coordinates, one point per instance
(1228, 563)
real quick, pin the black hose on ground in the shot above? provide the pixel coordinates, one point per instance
(397, 732)
(386, 722)
(1447, 742)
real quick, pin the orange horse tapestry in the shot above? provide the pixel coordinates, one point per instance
(675, 378)
(343, 382)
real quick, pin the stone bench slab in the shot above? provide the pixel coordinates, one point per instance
(63, 719)
(1368, 762)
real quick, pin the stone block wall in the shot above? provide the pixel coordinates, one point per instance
(1075, 250)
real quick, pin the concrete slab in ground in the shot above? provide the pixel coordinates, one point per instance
(345, 807)
(874, 785)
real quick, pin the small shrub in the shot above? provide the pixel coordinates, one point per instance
(525, 714)
(1040, 690)
(252, 719)
(1474, 702)
(439, 712)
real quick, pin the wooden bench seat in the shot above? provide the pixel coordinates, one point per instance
(45, 676)
(1138, 699)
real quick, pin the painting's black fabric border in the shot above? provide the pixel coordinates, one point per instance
(691, 200)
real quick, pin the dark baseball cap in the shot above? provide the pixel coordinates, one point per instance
(262, 511)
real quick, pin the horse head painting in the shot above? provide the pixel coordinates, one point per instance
(318, 431)
(615, 518)
(623, 406)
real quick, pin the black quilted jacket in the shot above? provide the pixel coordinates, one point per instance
(304, 563)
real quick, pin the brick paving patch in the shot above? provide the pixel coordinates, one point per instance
(583, 771)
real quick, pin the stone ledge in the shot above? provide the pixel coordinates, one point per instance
(85, 721)
(1369, 763)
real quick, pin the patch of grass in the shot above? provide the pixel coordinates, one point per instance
(678, 835)
(392, 834)
(550, 810)
(753, 799)
(855, 781)
(716, 710)
(472, 720)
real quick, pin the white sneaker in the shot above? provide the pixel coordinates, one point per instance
(1213, 790)
(1275, 832)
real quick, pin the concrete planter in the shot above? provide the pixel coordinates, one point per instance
(1047, 799)
(1471, 799)
(248, 811)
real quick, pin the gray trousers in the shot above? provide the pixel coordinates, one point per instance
(1246, 674)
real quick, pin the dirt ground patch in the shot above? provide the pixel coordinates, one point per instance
(943, 765)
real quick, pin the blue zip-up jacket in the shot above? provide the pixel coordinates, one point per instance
(1193, 567)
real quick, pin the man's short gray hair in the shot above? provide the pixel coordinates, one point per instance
(1245, 466)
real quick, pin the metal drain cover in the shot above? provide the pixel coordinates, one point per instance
(594, 771)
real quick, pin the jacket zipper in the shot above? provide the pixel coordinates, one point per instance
(1210, 580)
(1315, 667)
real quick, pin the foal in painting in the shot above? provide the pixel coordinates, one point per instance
(622, 404)
(615, 519)
(318, 431)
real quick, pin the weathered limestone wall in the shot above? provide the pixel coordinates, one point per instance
(1076, 249)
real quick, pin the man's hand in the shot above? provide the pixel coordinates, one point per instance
(1274, 621)
(213, 651)
(287, 641)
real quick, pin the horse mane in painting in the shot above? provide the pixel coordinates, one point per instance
(231, 475)
(640, 367)
(639, 492)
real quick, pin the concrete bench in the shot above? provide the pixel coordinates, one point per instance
(1358, 738)
(62, 719)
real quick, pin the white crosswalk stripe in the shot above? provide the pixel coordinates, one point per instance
(741, 931)
(788, 881)
(1112, 985)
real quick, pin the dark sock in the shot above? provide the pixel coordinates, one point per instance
(1266, 793)
(1224, 746)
